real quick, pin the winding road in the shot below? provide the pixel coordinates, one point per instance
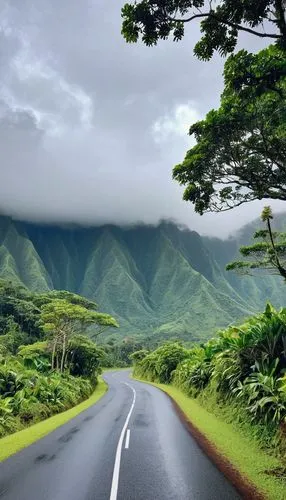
(131, 445)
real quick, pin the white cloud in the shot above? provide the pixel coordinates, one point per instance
(90, 127)
(30, 84)
(176, 123)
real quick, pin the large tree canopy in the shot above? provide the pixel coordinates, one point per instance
(62, 318)
(221, 22)
(241, 147)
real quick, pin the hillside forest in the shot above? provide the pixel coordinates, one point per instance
(47, 362)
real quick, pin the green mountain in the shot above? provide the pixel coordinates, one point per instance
(162, 280)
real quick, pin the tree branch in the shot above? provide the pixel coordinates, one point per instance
(217, 208)
(228, 23)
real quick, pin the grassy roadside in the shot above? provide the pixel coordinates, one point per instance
(242, 452)
(19, 440)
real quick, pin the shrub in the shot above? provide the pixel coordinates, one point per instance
(160, 364)
(36, 356)
(7, 422)
(243, 366)
(264, 393)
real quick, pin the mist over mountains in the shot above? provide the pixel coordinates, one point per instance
(160, 280)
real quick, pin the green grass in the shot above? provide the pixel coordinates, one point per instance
(19, 440)
(241, 451)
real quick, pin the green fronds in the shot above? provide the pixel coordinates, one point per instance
(243, 365)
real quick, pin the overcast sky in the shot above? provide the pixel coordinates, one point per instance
(90, 127)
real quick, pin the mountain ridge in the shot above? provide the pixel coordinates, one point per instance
(163, 279)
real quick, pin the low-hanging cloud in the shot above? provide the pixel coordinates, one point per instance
(90, 127)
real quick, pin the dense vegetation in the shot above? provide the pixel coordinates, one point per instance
(47, 364)
(240, 374)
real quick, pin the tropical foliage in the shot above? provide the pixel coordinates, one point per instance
(47, 364)
(243, 367)
(160, 364)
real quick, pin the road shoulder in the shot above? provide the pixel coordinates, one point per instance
(237, 456)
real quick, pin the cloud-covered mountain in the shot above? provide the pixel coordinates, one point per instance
(90, 126)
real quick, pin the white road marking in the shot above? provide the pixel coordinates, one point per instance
(116, 470)
(127, 439)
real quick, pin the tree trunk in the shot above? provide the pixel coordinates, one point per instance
(63, 353)
(281, 20)
(278, 265)
(54, 353)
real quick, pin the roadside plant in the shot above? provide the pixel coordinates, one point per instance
(264, 393)
(244, 367)
(7, 422)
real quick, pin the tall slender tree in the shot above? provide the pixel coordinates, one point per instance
(268, 254)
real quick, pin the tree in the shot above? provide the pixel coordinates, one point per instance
(154, 20)
(19, 315)
(268, 254)
(61, 319)
(160, 364)
(252, 74)
(139, 355)
(83, 356)
(75, 299)
(118, 353)
(241, 147)
(70, 297)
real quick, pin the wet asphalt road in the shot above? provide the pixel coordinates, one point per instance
(77, 461)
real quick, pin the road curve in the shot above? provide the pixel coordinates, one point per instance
(131, 445)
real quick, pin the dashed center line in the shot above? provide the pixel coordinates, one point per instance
(116, 470)
(127, 439)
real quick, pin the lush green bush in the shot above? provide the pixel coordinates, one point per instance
(36, 356)
(160, 364)
(7, 422)
(29, 395)
(118, 352)
(138, 355)
(84, 356)
(242, 367)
